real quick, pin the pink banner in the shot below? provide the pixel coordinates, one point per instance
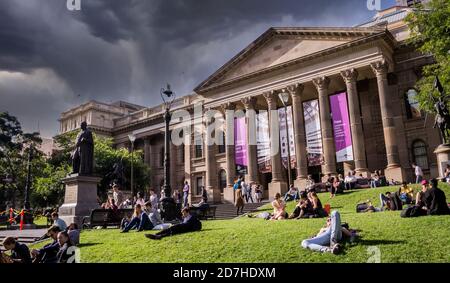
(341, 127)
(240, 141)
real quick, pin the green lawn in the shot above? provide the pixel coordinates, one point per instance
(424, 239)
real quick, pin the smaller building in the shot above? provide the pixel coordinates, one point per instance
(98, 115)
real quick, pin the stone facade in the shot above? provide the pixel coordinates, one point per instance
(372, 63)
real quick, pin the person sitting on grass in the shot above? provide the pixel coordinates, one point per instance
(292, 194)
(391, 201)
(406, 193)
(19, 252)
(58, 221)
(190, 224)
(435, 199)
(329, 237)
(279, 208)
(64, 254)
(74, 234)
(48, 253)
(318, 210)
(139, 221)
(303, 208)
(153, 215)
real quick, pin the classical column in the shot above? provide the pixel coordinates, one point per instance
(329, 152)
(147, 150)
(380, 69)
(359, 152)
(210, 164)
(228, 110)
(278, 183)
(296, 91)
(250, 116)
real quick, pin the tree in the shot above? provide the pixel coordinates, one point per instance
(14, 150)
(430, 34)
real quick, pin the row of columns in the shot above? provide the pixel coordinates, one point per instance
(322, 83)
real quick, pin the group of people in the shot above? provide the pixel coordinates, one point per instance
(243, 190)
(60, 250)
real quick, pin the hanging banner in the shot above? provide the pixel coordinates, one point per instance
(283, 136)
(313, 132)
(240, 144)
(341, 127)
(263, 142)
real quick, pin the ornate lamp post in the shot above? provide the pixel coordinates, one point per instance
(168, 206)
(132, 138)
(284, 97)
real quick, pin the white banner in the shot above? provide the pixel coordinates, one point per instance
(263, 142)
(283, 136)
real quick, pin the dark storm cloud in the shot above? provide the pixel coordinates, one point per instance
(52, 58)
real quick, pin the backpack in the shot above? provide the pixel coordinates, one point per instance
(406, 212)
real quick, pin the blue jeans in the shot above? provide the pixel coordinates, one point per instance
(139, 224)
(185, 199)
(418, 179)
(374, 184)
(332, 235)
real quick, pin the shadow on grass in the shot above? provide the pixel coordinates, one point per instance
(87, 245)
(379, 242)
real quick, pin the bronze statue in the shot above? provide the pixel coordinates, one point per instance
(442, 119)
(83, 155)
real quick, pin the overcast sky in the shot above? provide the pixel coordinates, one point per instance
(52, 59)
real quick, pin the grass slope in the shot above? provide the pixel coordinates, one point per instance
(424, 239)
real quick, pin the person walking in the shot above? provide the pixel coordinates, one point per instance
(239, 200)
(417, 172)
(185, 194)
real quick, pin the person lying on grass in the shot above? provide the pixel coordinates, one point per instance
(329, 237)
(139, 221)
(190, 224)
(19, 252)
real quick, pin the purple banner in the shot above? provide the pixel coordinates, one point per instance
(240, 141)
(341, 127)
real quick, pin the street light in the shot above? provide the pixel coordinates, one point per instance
(168, 205)
(132, 138)
(284, 97)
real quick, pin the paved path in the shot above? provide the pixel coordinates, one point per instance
(31, 233)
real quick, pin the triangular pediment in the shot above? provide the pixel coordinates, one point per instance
(278, 46)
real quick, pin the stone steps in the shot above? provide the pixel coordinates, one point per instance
(228, 211)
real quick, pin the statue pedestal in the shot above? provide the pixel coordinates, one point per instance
(277, 187)
(443, 158)
(80, 198)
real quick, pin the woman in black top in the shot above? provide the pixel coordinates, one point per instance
(66, 254)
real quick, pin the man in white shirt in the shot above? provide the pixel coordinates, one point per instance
(418, 172)
(58, 222)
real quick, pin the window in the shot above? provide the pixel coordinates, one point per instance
(181, 152)
(419, 151)
(198, 142)
(199, 185)
(412, 105)
(222, 143)
(222, 180)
